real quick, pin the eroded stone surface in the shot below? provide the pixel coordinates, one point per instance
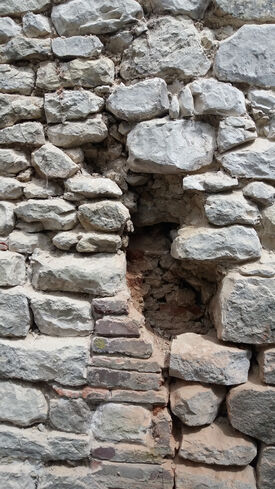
(242, 11)
(72, 105)
(15, 318)
(222, 210)
(12, 269)
(52, 162)
(266, 361)
(22, 405)
(192, 8)
(71, 134)
(265, 467)
(77, 46)
(106, 215)
(17, 476)
(214, 97)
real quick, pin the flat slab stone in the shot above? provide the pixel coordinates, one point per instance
(209, 182)
(22, 405)
(266, 361)
(242, 11)
(162, 146)
(70, 415)
(99, 275)
(52, 214)
(244, 309)
(202, 358)
(260, 57)
(77, 46)
(14, 108)
(8, 29)
(22, 48)
(192, 8)
(266, 467)
(122, 346)
(26, 133)
(260, 192)
(138, 383)
(233, 243)
(86, 186)
(72, 134)
(7, 219)
(235, 131)
(12, 162)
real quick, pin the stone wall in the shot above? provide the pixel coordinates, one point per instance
(137, 217)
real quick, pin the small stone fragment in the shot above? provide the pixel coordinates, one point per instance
(266, 467)
(27, 134)
(53, 214)
(15, 79)
(232, 208)
(266, 361)
(36, 25)
(52, 162)
(22, 405)
(118, 304)
(8, 29)
(186, 102)
(234, 131)
(24, 48)
(262, 101)
(15, 318)
(209, 182)
(71, 105)
(12, 269)
(260, 192)
(72, 134)
(202, 358)
(10, 189)
(77, 46)
(71, 415)
(105, 215)
(86, 186)
(98, 243)
(139, 384)
(7, 221)
(217, 98)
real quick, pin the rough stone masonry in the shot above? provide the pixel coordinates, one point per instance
(137, 244)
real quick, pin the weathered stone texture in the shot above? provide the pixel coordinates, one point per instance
(266, 467)
(22, 405)
(193, 476)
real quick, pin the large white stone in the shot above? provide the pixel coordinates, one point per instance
(53, 214)
(105, 215)
(15, 79)
(24, 48)
(260, 192)
(71, 105)
(15, 318)
(240, 60)
(8, 29)
(26, 133)
(233, 243)
(22, 405)
(42, 189)
(162, 146)
(12, 162)
(17, 8)
(171, 49)
(77, 46)
(52, 162)
(234, 131)
(244, 11)
(102, 274)
(202, 358)
(86, 186)
(7, 221)
(24, 242)
(217, 98)
(10, 189)
(232, 208)
(209, 182)
(72, 134)
(192, 8)
(190, 475)
(244, 310)
(14, 108)
(12, 269)
(142, 101)
(36, 25)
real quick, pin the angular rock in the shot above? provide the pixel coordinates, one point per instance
(73, 104)
(139, 102)
(72, 134)
(86, 186)
(42, 189)
(7, 221)
(47, 446)
(26, 133)
(260, 58)
(161, 146)
(266, 467)
(254, 161)
(242, 11)
(157, 397)
(10, 189)
(17, 8)
(8, 29)
(48, 76)
(194, 476)
(137, 382)
(232, 208)
(121, 422)
(87, 73)
(121, 346)
(94, 16)
(47, 359)
(193, 8)
(262, 101)
(153, 365)
(15, 79)
(12, 162)
(266, 361)
(217, 98)
(15, 318)
(53, 214)
(243, 311)
(116, 305)
(17, 476)
(57, 315)
(105, 215)
(202, 358)
(234, 131)
(268, 218)
(36, 25)
(24, 48)
(117, 326)
(14, 108)
(175, 50)
(230, 244)
(99, 275)
(98, 243)
(71, 415)
(217, 444)
(186, 102)
(22, 405)
(12, 269)
(260, 192)
(77, 46)
(52, 162)
(25, 243)
(196, 404)
(253, 400)
(209, 182)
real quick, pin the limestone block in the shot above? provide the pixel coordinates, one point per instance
(99, 275)
(266, 467)
(12, 269)
(42, 189)
(98, 243)
(202, 358)
(105, 215)
(142, 101)
(88, 73)
(209, 182)
(36, 25)
(47, 76)
(253, 401)
(217, 444)
(52, 162)
(137, 382)
(232, 208)
(53, 214)
(217, 98)
(230, 244)
(234, 131)
(57, 315)
(25, 243)
(94, 16)
(24, 48)
(186, 102)
(258, 68)
(17, 8)
(196, 404)
(10, 189)
(121, 422)
(262, 100)
(117, 326)
(86, 186)
(15, 318)
(260, 192)
(162, 146)
(26, 133)
(12, 162)
(243, 311)
(245, 12)
(71, 415)
(17, 476)
(47, 359)
(73, 104)
(153, 364)
(193, 476)
(175, 50)
(72, 134)
(77, 46)
(117, 305)
(253, 161)
(7, 221)
(15, 79)
(8, 29)
(14, 108)
(266, 361)
(122, 346)
(192, 8)
(22, 405)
